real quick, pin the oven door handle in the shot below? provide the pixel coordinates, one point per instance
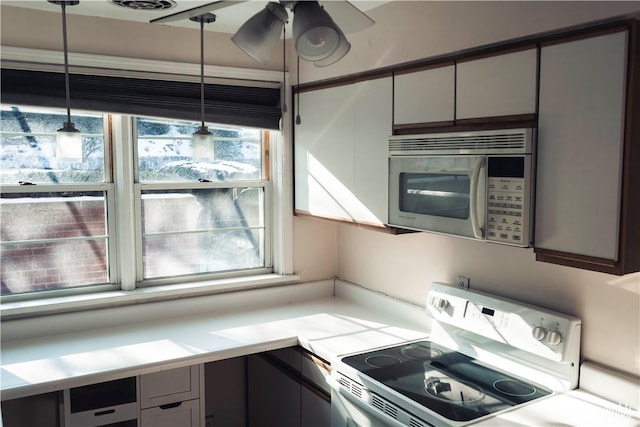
(473, 198)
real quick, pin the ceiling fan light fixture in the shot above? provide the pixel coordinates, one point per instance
(343, 48)
(315, 34)
(259, 36)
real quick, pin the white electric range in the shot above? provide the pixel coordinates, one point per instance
(485, 355)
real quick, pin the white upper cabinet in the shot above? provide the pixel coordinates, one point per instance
(580, 146)
(341, 151)
(501, 85)
(425, 96)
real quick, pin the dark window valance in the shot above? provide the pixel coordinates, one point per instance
(225, 104)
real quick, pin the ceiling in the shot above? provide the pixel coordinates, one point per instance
(228, 19)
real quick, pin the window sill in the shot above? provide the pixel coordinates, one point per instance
(67, 304)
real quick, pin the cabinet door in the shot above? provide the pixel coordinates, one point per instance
(182, 414)
(581, 120)
(501, 85)
(425, 96)
(315, 409)
(373, 123)
(273, 397)
(341, 152)
(324, 151)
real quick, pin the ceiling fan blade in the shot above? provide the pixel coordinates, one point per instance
(349, 18)
(196, 11)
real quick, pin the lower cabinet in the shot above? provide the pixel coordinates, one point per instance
(287, 388)
(171, 398)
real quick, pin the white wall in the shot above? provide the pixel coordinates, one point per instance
(403, 266)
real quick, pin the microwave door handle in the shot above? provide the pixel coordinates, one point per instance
(473, 197)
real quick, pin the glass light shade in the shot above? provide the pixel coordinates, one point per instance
(259, 36)
(203, 145)
(343, 48)
(69, 144)
(316, 35)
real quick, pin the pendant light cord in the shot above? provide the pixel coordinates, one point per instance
(66, 61)
(202, 71)
(298, 120)
(284, 68)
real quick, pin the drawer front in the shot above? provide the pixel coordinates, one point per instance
(104, 416)
(174, 385)
(182, 414)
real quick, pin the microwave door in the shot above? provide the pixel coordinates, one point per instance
(439, 194)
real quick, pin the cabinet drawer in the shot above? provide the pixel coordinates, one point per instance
(174, 385)
(182, 414)
(104, 416)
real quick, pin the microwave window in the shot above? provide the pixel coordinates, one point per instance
(444, 195)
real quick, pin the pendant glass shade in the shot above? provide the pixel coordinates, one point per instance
(69, 144)
(343, 48)
(203, 145)
(315, 34)
(259, 36)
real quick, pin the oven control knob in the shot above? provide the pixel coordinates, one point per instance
(554, 338)
(440, 303)
(538, 332)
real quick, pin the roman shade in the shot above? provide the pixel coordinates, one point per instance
(240, 105)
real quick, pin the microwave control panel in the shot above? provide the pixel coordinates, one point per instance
(505, 211)
(507, 201)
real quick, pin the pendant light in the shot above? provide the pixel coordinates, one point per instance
(315, 35)
(68, 138)
(259, 36)
(202, 139)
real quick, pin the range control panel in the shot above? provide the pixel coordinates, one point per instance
(545, 333)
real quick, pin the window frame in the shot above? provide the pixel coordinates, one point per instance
(278, 204)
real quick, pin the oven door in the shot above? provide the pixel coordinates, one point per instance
(442, 194)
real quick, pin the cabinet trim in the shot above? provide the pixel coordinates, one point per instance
(578, 261)
(617, 23)
(481, 123)
(629, 242)
(365, 226)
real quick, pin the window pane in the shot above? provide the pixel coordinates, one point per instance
(28, 147)
(50, 241)
(166, 154)
(202, 231)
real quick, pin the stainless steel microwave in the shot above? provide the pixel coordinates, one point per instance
(477, 184)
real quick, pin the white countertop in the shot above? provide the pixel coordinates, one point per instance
(309, 315)
(329, 326)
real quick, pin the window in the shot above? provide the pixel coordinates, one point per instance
(202, 211)
(197, 215)
(54, 231)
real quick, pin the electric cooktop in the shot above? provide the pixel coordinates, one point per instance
(454, 385)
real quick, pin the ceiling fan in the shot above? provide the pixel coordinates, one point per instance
(318, 27)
